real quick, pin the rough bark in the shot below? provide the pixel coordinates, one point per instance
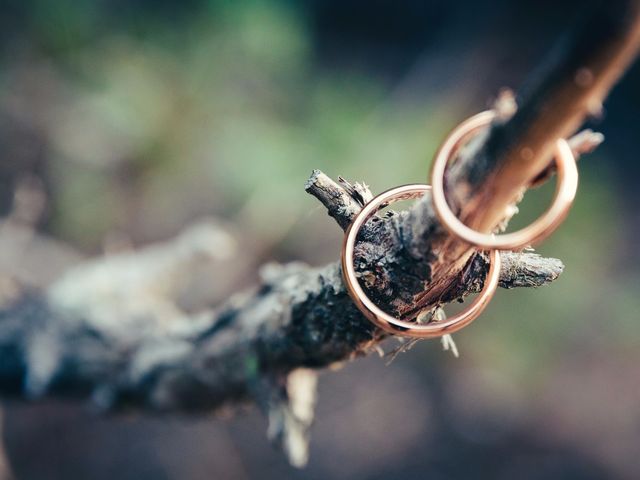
(111, 328)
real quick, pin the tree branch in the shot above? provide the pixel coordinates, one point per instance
(112, 328)
(492, 174)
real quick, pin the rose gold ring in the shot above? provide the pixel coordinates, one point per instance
(384, 320)
(566, 187)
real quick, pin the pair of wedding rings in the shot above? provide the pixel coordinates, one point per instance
(566, 188)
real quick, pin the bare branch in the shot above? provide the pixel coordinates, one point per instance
(112, 328)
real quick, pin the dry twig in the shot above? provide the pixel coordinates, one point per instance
(112, 329)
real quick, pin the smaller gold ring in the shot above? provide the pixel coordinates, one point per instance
(382, 319)
(566, 188)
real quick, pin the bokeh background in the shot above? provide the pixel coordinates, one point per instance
(124, 122)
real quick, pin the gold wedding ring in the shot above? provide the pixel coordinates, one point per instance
(378, 316)
(566, 187)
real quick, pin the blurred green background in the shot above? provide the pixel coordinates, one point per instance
(137, 119)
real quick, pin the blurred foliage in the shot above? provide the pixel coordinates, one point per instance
(229, 113)
(153, 113)
(153, 117)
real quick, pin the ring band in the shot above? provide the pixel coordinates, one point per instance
(382, 319)
(566, 188)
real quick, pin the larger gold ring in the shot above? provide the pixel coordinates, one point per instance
(384, 320)
(535, 232)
